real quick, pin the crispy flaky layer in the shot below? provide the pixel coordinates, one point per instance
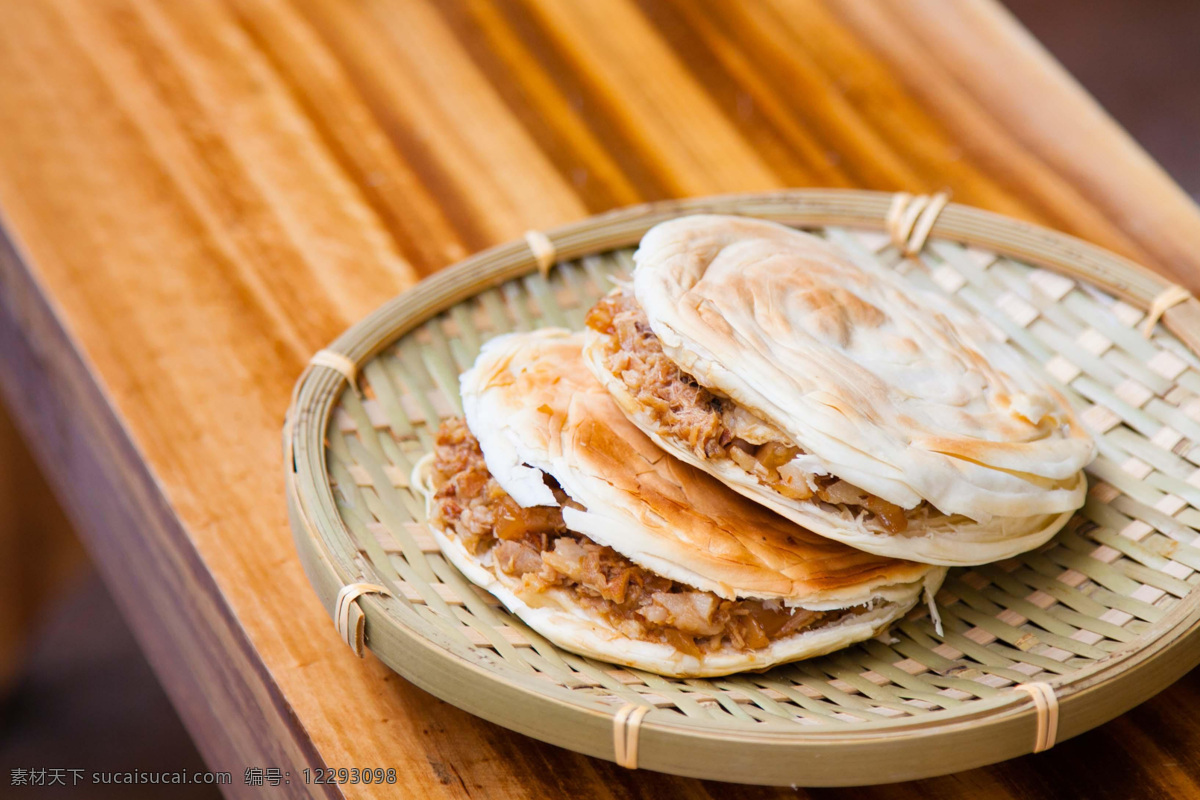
(535, 408)
(894, 390)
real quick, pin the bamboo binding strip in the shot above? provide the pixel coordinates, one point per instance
(627, 725)
(331, 359)
(1045, 702)
(544, 252)
(910, 220)
(348, 617)
(1170, 297)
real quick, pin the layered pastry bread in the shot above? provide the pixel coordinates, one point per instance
(838, 396)
(547, 496)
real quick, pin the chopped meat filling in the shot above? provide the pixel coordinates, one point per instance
(533, 547)
(713, 426)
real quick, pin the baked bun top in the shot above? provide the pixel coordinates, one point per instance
(895, 390)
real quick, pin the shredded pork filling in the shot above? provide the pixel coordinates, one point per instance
(533, 547)
(715, 427)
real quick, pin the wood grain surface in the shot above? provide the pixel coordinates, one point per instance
(198, 195)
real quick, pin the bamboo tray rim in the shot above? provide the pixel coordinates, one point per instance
(1168, 648)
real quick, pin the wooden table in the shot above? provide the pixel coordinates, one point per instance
(196, 196)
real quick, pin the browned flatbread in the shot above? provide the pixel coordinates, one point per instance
(899, 393)
(536, 410)
(698, 530)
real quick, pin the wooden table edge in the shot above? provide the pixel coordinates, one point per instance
(78, 440)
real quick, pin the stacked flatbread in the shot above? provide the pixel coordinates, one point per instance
(757, 452)
(845, 400)
(549, 498)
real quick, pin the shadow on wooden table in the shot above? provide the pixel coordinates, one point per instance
(1140, 60)
(86, 699)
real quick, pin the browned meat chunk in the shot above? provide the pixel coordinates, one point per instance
(685, 410)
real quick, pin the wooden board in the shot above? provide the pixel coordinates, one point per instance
(197, 196)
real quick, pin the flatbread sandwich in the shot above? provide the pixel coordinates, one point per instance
(549, 498)
(838, 396)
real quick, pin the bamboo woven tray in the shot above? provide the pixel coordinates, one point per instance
(1106, 613)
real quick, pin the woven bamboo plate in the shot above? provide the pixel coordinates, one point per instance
(1106, 614)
